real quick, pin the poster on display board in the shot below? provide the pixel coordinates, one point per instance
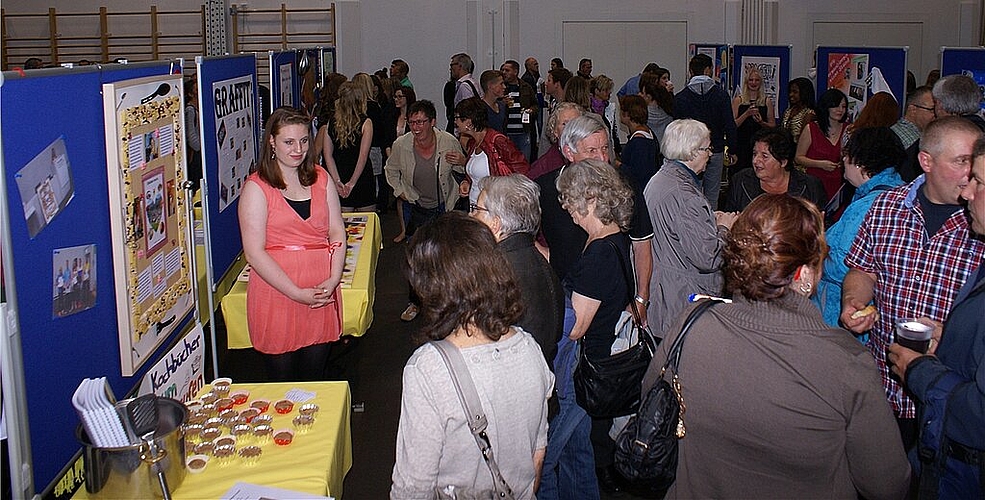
(45, 186)
(180, 373)
(848, 73)
(148, 216)
(773, 64)
(234, 136)
(718, 53)
(73, 280)
(768, 69)
(286, 83)
(860, 72)
(221, 228)
(284, 87)
(327, 61)
(968, 61)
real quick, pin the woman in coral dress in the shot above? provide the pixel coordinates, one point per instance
(294, 239)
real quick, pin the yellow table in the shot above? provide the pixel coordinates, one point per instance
(357, 299)
(316, 462)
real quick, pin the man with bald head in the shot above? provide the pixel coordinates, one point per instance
(913, 253)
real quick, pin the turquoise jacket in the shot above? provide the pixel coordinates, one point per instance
(840, 237)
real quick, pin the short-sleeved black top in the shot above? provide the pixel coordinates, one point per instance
(599, 275)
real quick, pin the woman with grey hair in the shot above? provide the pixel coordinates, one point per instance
(509, 206)
(599, 284)
(688, 236)
(552, 159)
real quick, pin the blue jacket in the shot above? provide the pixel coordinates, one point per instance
(631, 87)
(840, 237)
(961, 353)
(705, 101)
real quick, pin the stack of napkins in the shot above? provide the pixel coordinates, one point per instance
(95, 404)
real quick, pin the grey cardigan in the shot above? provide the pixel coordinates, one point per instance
(687, 244)
(780, 405)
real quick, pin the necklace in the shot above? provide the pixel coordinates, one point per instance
(296, 193)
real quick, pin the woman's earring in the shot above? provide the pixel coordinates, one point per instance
(272, 155)
(805, 288)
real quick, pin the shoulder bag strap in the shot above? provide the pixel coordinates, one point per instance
(475, 93)
(630, 282)
(474, 413)
(674, 355)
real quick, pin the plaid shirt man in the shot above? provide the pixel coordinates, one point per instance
(917, 275)
(907, 132)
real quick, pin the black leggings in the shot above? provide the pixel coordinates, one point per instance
(306, 364)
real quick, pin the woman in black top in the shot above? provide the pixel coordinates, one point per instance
(601, 203)
(752, 110)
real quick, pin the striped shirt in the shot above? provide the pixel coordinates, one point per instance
(514, 118)
(916, 274)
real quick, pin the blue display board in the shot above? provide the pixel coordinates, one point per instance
(221, 101)
(773, 62)
(285, 84)
(719, 53)
(862, 71)
(53, 121)
(958, 60)
(965, 61)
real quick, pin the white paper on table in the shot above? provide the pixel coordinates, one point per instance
(249, 491)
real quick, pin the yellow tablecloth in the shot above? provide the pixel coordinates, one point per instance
(316, 462)
(357, 299)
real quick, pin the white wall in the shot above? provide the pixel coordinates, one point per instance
(426, 33)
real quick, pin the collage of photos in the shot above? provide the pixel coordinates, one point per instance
(145, 164)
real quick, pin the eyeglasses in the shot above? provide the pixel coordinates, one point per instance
(399, 96)
(709, 149)
(474, 207)
(418, 122)
(923, 107)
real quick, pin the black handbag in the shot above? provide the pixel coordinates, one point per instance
(610, 387)
(646, 449)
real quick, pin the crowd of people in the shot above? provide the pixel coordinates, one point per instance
(531, 230)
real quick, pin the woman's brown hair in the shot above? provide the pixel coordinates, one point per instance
(473, 109)
(880, 111)
(771, 239)
(650, 85)
(267, 168)
(462, 278)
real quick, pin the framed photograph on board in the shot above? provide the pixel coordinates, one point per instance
(148, 218)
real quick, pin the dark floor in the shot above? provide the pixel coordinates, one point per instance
(373, 365)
